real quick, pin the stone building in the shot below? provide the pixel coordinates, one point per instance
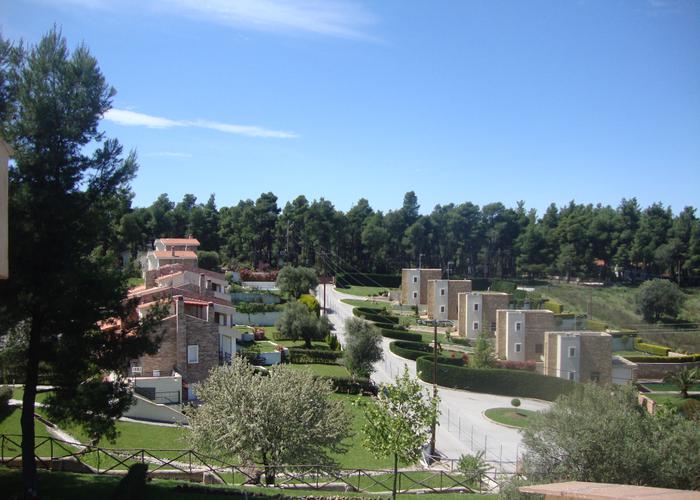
(581, 356)
(443, 296)
(168, 251)
(414, 285)
(520, 333)
(477, 311)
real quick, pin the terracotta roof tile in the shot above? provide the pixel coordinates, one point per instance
(179, 254)
(191, 242)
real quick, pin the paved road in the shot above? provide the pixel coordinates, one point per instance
(463, 428)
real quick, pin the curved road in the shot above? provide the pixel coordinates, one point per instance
(463, 428)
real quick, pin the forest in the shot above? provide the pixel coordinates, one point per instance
(575, 240)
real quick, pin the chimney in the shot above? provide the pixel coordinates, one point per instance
(210, 312)
(202, 283)
(179, 305)
(172, 251)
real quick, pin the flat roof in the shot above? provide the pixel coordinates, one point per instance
(604, 491)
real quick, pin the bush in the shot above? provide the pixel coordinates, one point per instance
(301, 356)
(663, 359)
(401, 335)
(332, 341)
(455, 361)
(376, 315)
(653, 349)
(494, 380)
(461, 341)
(657, 298)
(516, 365)
(352, 385)
(410, 350)
(133, 485)
(248, 275)
(345, 280)
(312, 304)
(5, 396)
(553, 306)
(515, 402)
(595, 325)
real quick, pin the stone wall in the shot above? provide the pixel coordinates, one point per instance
(536, 323)
(425, 276)
(596, 357)
(659, 370)
(550, 354)
(492, 302)
(454, 288)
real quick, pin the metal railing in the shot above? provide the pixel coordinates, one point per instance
(99, 460)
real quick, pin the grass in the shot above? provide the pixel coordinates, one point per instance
(510, 416)
(323, 370)
(366, 303)
(132, 282)
(365, 291)
(315, 344)
(18, 393)
(666, 386)
(674, 400)
(64, 485)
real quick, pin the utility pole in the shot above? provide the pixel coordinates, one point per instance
(434, 424)
(420, 259)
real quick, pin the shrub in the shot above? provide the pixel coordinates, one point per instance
(494, 380)
(332, 341)
(516, 365)
(657, 298)
(410, 350)
(345, 280)
(515, 402)
(352, 385)
(454, 360)
(376, 315)
(208, 260)
(653, 349)
(300, 356)
(5, 396)
(461, 341)
(595, 325)
(553, 306)
(133, 485)
(311, 303)
(663, 359)
(248, 275)
(401, 335)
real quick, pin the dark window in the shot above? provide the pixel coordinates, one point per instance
(539, 348)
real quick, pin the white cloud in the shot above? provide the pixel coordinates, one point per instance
(133, 119)
(336, 18)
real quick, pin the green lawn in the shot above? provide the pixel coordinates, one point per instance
(322, 370)
(624, 354)
(64, 485)
(132, 282)
(672, 399)
(365, 291)
(510, 416)
(18, 393)
(315, 344)
(10, 424)
(366, 303)
(665, 386)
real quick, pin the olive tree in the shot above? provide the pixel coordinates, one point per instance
(657, 298)
(297, 322)
(295, 281)
(284, 418)
(399, 420)
(363, 346)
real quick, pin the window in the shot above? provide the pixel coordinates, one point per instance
(518, 347)
(192, 354)
(571, 375)
(475, 326)
(156, 373)
(136, 371)
(415, 279)
(493, 326)
(442, 291)
(539, 349)
(518, 326)
(476, 307)
(595, 376)
(442, 309)
(415, 295)
(572, 351)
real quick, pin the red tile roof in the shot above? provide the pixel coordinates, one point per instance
(179, 254)
(190, 242)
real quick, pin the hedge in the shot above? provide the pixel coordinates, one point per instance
(553, 306)
(373, 315)
(401, 335)
(410, 350)
(350, 385)
(494, 380)
(653, 349)
(344, 280)
(301, 356)
(595, 325)
(461, 341)
(663, 359)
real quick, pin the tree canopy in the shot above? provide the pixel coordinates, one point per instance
(286, 418)
(297, 322)
(296, 281)
(69, 188)
(363, 347)
(658, 298)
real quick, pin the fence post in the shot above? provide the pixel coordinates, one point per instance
(189, 454)
(98, 460)
(51, 446)
(143, 460)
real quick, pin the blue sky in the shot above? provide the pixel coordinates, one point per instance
(541, 101)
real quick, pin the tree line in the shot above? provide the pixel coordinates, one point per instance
(493, 240)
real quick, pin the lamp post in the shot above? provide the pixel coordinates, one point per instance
(434, 423)
(420, 259)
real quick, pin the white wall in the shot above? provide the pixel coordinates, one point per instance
(441, 300)
(472, 315)
(513, 336)
(413, 288)
(258, 319)
(144, 409)
(260, 285)
(565, 363)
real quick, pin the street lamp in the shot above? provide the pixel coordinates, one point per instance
(434, 423)
(420, 258)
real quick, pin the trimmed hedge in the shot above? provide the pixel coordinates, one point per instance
(461, 341)
(401, 335)
(595, 325)
(553, 306)
(350, 385)
(374, 315)
(301, 356)
(653, 349)
(344, 280)
(410, 350)
(663, 359)
(494, 380)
